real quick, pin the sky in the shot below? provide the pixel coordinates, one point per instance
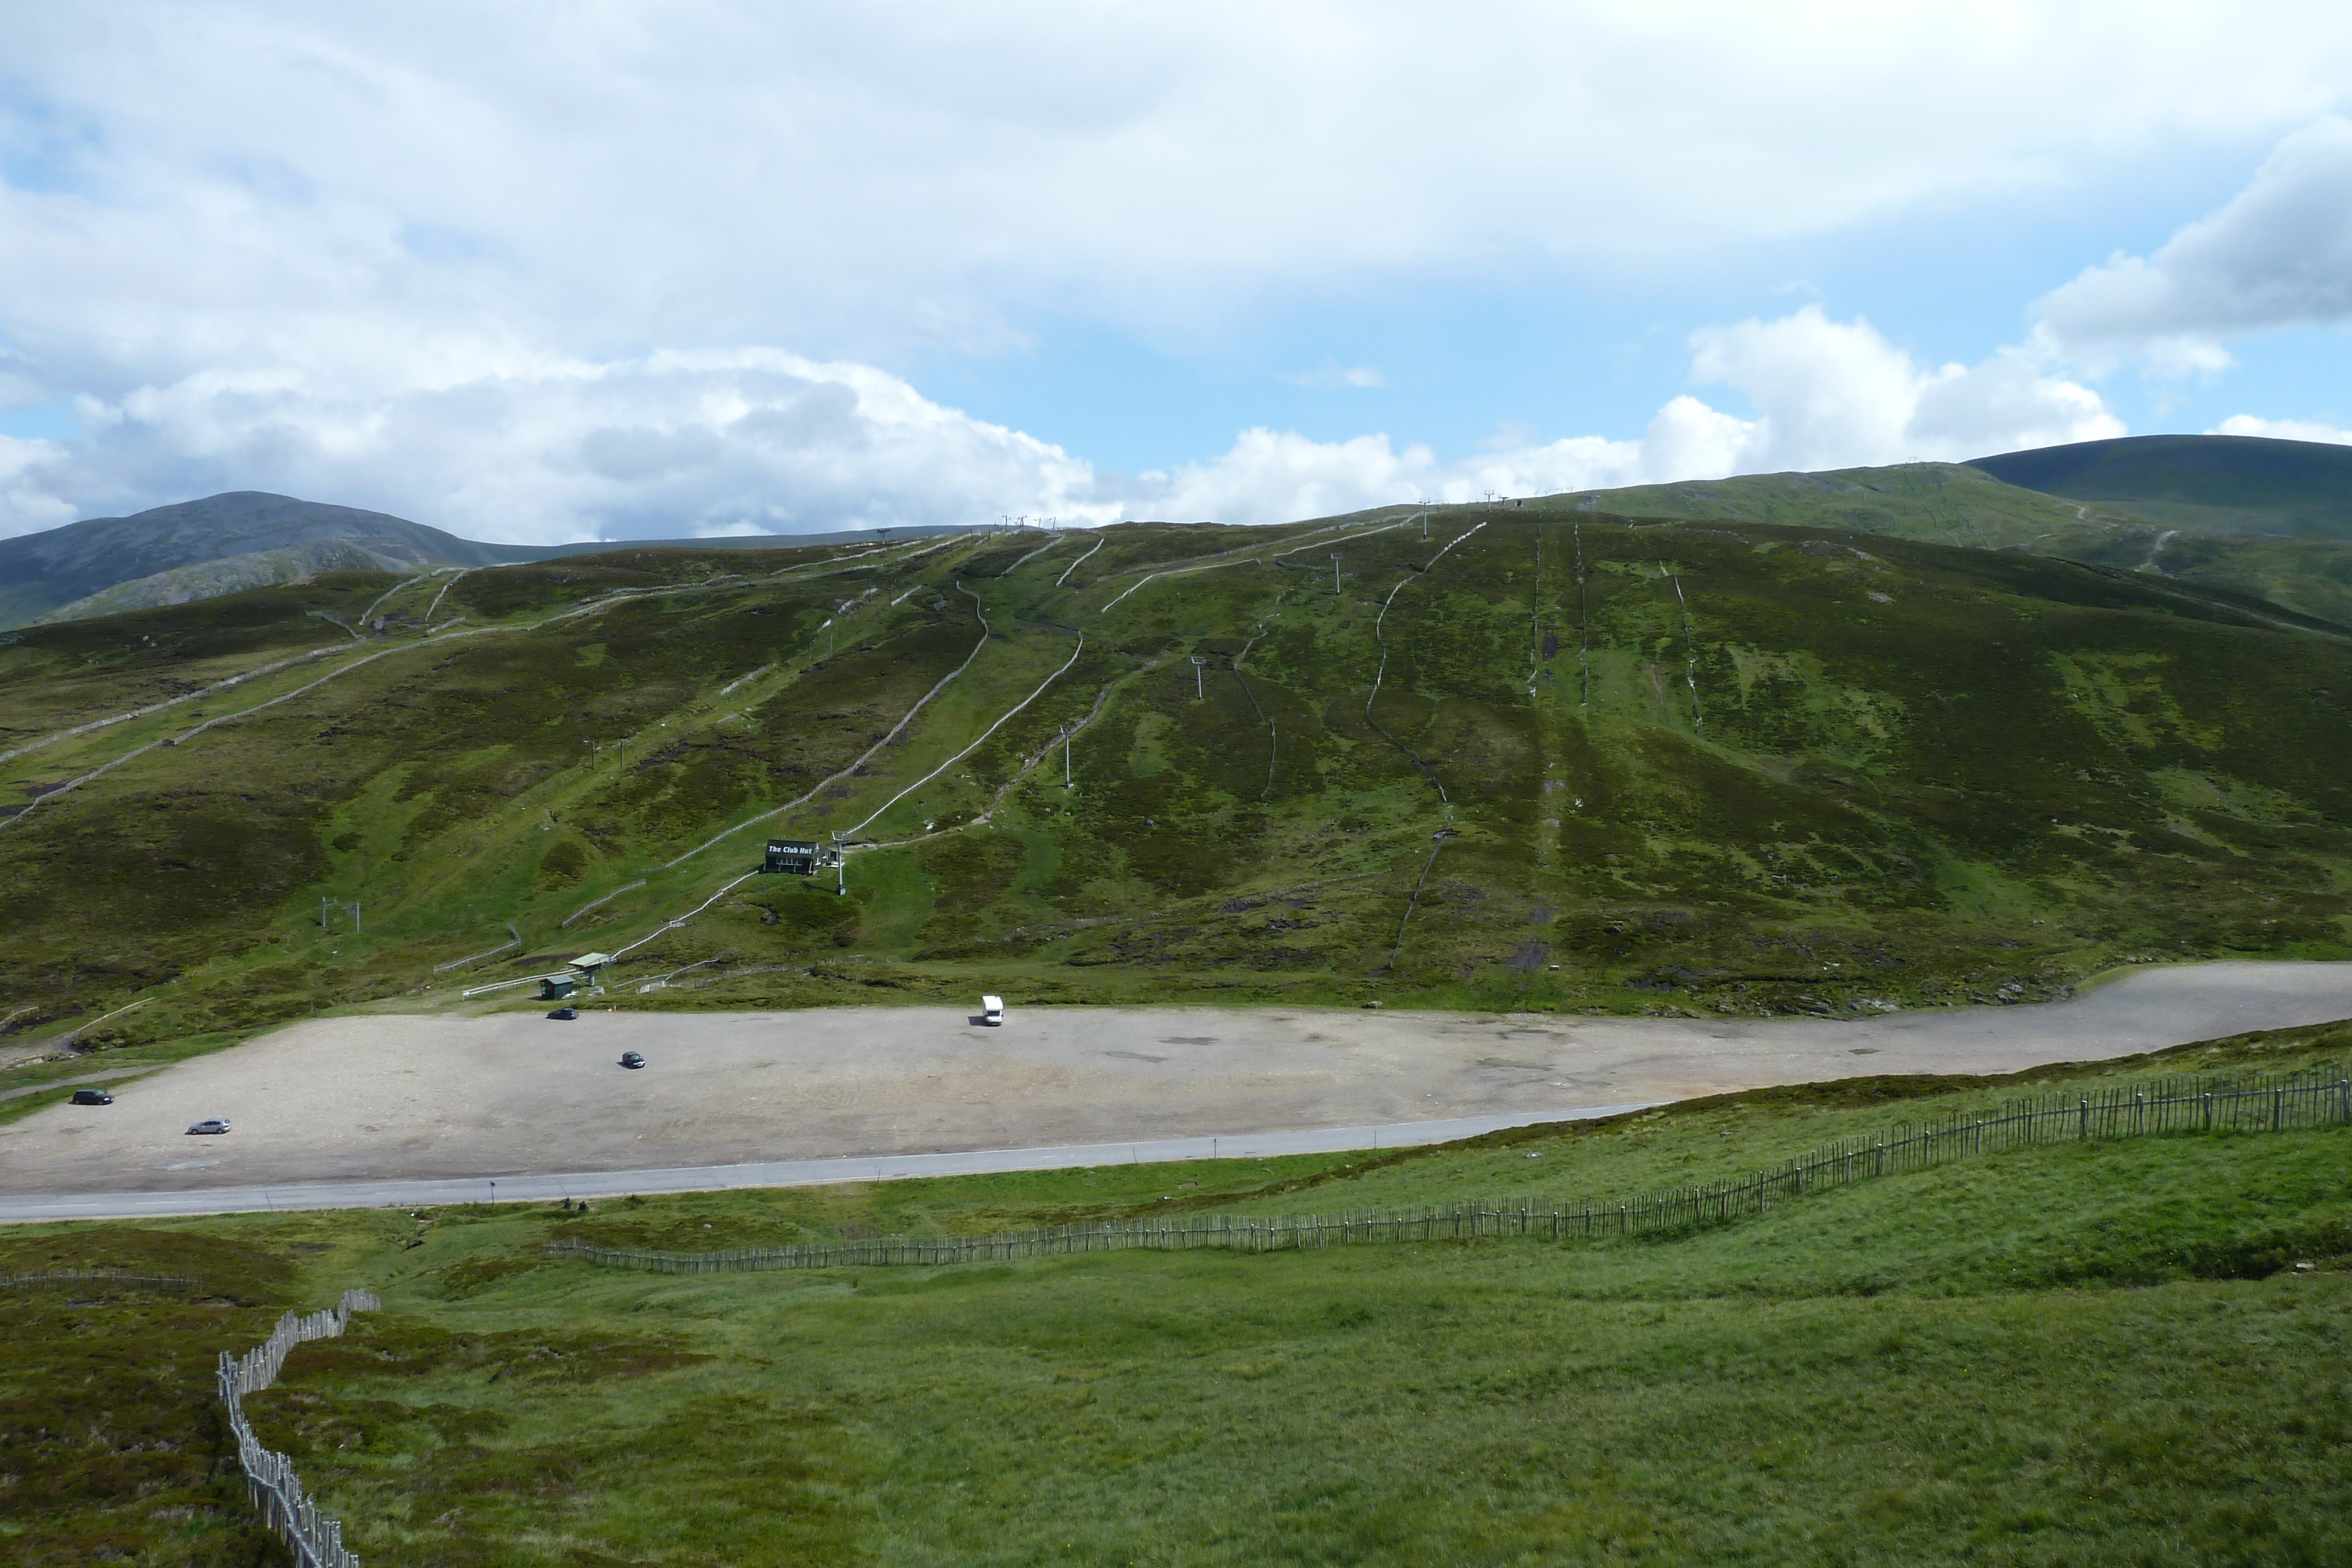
(603, 268)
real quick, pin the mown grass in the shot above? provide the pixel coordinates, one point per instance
(2101, 1353)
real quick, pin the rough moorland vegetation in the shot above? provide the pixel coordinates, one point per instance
(2271, 546)
(2124, 1350)
(1532, 756)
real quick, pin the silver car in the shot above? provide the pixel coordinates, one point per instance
(211, 1124)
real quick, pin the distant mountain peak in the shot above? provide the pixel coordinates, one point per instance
(47, 571)
(244, 537)
(2213, 484)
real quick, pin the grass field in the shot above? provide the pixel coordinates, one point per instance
(2099, 1353)
(1543, 760)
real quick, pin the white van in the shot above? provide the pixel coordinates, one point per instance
(992, 1010)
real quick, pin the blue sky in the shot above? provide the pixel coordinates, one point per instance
(1464, 358)
(548, 273)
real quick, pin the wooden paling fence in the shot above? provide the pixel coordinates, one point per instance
(269, 1478)
(2316, 1098)
(99, 1277)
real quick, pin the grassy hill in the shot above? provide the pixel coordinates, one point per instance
(45, 572)
(1532, 759)
(1958, 504)
(229, 574)
(2216, 484)
(251, 538)
(2090, 1352)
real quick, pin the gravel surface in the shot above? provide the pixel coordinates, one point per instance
(395, 1097)
(550, 1185)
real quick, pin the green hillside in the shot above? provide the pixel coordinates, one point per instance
(1550, 759)
(1952, 503)
(210, 580)
(1946, 503)
(255, 537)
(2217, 484)
(2125, 1351)
(250, 539)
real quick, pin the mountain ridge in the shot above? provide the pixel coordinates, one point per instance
(1961, 504)
(78, 569)
(2215, 484)
(43, 572)
(2249, 514)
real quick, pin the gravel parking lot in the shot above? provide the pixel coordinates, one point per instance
(391, 1096)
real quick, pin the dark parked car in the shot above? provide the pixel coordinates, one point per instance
(631, 1059)
(211, 1124)
(566, 1014)
(92, 1097)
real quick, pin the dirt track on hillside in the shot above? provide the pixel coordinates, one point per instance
(430, 1095)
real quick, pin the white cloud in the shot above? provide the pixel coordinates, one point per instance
(430, 258)
(1273, 477)
(1688, 440)
(1827, 394)
(1830, 394)
(545, 451)
(191, 180)
(491, 444)
(2277, 253)
(2282, 429)
(26, 503)
(1333, 378)
(1822, 389)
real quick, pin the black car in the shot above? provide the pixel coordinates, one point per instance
(92, 1097)
(566, 1014)
(631, 1059)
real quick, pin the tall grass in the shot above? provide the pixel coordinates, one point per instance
(2089, 1351)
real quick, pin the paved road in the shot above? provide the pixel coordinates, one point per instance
(364, 1101)
(767, 1173)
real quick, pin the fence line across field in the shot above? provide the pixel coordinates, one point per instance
(269, 1478)
(98, 1277)
(2320, 1097)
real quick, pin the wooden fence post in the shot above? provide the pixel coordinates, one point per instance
(2165, 1105)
